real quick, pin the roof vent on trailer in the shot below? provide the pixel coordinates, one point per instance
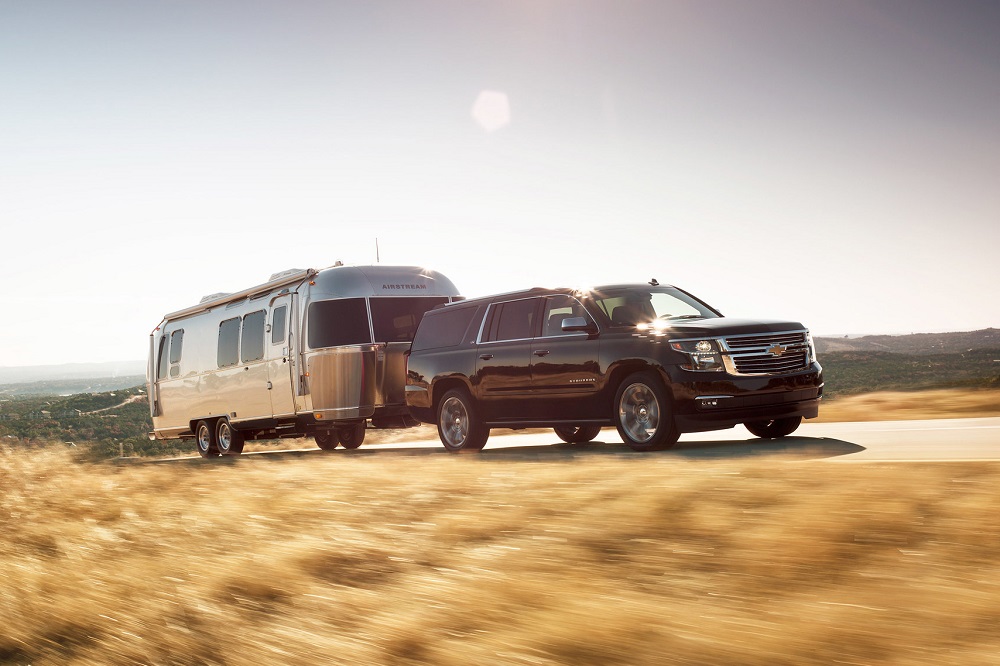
(284, 274)
(212, 297)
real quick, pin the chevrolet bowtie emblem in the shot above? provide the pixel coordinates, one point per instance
(777, 350)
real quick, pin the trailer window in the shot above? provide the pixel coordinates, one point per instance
(229, 342)
(176, 344)
(161, 359)
(338, 322)
(252, 339)
(278, 317)
(396, 319)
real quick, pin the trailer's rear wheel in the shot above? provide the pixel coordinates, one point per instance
(204, 437)
(352, 436)
(326, 439)
(228, 440)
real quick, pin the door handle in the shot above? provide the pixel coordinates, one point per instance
(486, 357)
(541, 352)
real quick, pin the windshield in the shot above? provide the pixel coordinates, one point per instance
(396, 319)
(628, 307)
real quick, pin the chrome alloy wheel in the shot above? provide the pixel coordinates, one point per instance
(454, 422)
(639, 412)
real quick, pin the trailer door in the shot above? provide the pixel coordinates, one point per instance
(281, 357)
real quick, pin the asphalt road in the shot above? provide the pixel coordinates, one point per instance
(944, 440)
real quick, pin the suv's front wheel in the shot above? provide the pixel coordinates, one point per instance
(577, 434)
(642, 413)
(775, 428)
(458, 426)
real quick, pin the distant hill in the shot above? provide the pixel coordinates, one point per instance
(74, 371)
(71, 378)
(915, 344)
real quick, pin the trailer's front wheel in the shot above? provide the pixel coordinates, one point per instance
(326, 439)
(352, 436)
(205, 439)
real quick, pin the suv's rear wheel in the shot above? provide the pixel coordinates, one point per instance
(458, 426)
(774, 428)
(577, 434)
(642, 413)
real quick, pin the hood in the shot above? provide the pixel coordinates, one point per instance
(692, 328)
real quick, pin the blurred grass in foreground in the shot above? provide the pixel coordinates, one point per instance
(397, 559)
(911, 405)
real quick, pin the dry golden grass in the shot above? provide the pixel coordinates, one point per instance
(902, 406)
(388, 558)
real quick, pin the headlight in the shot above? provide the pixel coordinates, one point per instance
(812, 347)
(704, 355)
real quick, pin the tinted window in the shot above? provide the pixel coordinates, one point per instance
(229, 342)
(340, 322)
(252, 340)
(444, 328)
(514, 320)
(278, 318)
(396, 319)
(176, 344)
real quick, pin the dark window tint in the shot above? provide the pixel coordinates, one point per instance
(161, 359)
(340, 322)
(229, 342)
(278, 318)
(443, 328)
(515, 320)
(396, 319)
(176, 344)
(252, 339)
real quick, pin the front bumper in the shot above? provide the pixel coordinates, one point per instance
(702, 403)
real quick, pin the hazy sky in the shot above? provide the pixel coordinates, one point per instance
(833, 162)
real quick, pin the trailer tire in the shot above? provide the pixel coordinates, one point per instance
(326, 439)
(204, 437)
(352, 436)
(228, 440)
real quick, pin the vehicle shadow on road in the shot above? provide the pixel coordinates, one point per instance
(804, 448)
(807, 448)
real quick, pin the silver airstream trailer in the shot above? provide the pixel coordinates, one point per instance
(309, 352)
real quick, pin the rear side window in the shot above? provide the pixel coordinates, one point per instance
(513, 320)
(443, 328)
(339, 322)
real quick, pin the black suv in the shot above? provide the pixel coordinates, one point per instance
(650, 359)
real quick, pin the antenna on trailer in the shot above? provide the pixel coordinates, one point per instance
(377, 260)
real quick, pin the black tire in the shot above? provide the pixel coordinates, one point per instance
(643, 415)
(352, 436)
(228, 440)
(774, 428)
(204, 439)
(326, 439)
(577, 434)
(458, 424)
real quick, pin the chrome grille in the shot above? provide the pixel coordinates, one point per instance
(766, 354)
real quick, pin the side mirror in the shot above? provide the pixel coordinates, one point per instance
(578, 325)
